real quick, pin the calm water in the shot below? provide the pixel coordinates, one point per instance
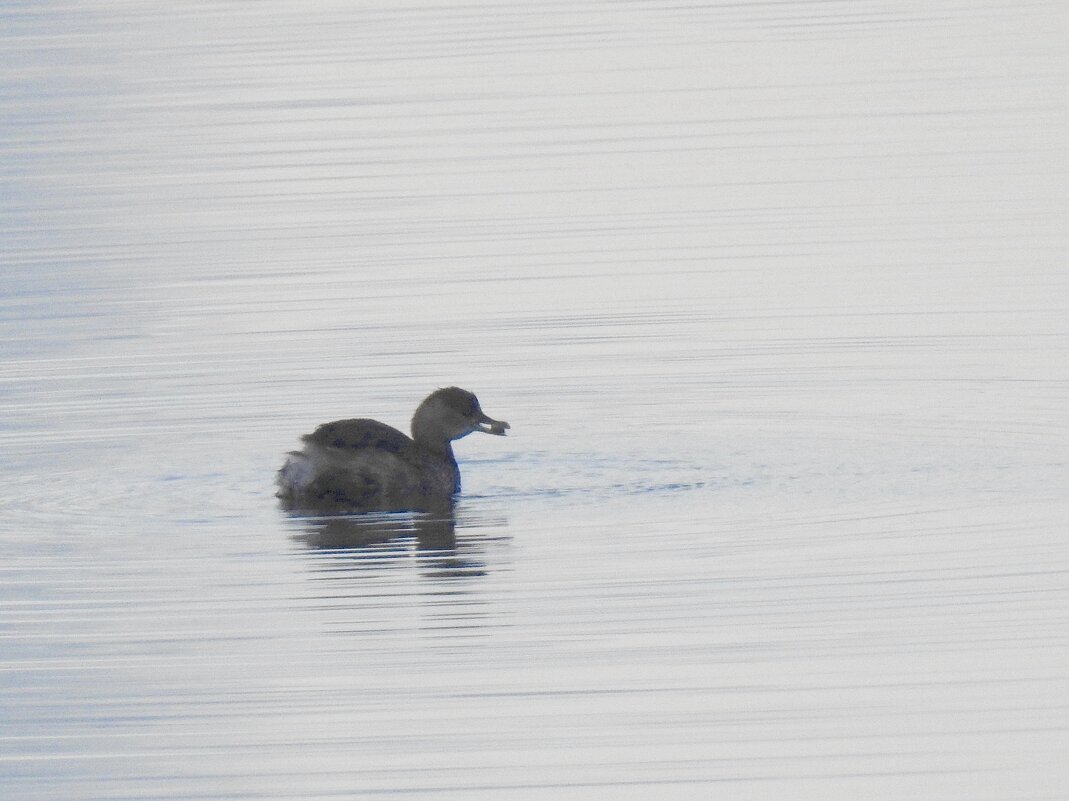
(773, 294)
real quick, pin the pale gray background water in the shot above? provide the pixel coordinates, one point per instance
(773, 294)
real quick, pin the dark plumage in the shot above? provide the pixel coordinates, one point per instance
(366, 465)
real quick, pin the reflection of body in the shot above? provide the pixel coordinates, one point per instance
(435, 532)
(365, 465)
(362, 545)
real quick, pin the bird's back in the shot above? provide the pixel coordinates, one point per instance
(364, 464)
(360, 434)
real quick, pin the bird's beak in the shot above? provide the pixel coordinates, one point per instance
(489, 425)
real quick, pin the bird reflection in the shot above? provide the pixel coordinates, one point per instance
(343, 532)
(386, 539)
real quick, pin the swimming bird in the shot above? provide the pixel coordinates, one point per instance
(365, 465)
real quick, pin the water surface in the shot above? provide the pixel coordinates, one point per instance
(773, 296)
